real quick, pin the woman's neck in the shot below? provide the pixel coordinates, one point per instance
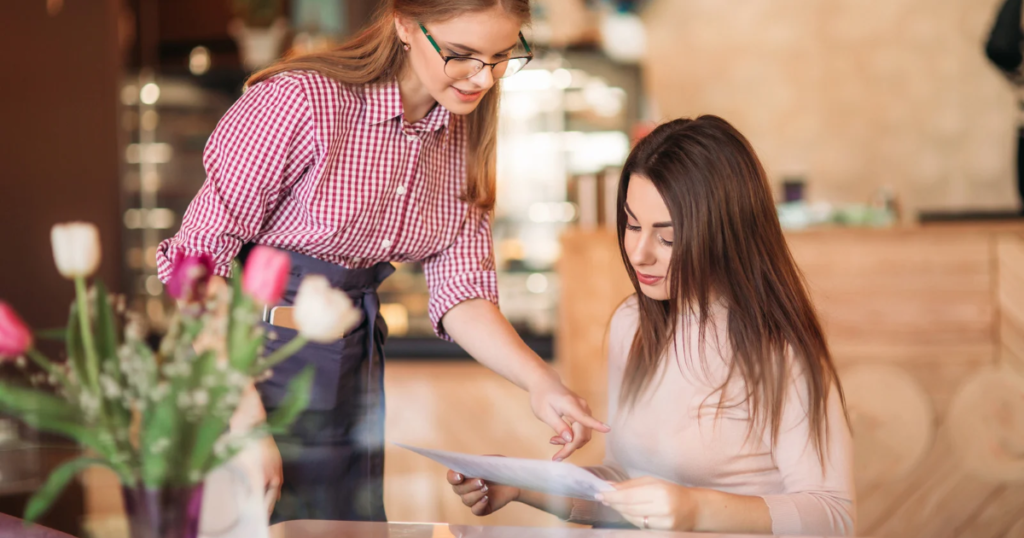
(416, 99)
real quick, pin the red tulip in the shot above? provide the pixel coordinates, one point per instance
(266, 274)
(15, 337)
(189, 277)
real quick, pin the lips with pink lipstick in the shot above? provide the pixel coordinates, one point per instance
(648, 279)
(466, 96)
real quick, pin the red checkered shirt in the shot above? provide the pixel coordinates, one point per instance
(307, 164)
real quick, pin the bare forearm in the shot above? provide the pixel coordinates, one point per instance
(552, 504)
(728, 513)
(480, 329)
(250, 411)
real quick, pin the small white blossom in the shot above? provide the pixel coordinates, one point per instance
(90, 404)
(110, 387)
(21, 362)
(159, 392)
(135, 329)
(200, 398)
(106, 438)
(237, 379)
(177, 369)
(160, 445)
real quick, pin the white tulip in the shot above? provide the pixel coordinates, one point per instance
(76, 248)
(322, 313)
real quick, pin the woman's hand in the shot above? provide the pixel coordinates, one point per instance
(566, 413)
(482, 497)
(273, 473)
(249, 414)
(650, 503)
(479, 328)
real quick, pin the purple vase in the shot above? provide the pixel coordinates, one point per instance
(171, 512)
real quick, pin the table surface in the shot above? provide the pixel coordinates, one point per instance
(354, 529)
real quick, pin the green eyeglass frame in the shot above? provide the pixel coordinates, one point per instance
(463, 67)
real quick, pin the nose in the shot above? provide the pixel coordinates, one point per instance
(642, 254)
(484, 79)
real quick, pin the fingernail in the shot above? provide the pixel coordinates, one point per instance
(557, 460)
(485, 499)
(567, 436)
(458, 477)
(481, 484)
(484, 489)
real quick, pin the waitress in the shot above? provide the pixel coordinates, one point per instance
(380, 150)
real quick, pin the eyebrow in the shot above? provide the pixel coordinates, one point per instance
(471, 50)
(666, 224)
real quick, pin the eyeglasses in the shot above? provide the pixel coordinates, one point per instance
(463, 67)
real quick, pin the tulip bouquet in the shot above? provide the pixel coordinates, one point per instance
(160, 418)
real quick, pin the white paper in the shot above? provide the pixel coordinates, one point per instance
(556, 478)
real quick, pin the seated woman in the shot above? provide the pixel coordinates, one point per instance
(719, 353)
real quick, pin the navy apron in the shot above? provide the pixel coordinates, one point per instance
(334, 454)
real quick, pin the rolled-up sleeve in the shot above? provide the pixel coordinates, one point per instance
(817, 501)
(261, 146)
(463, 271)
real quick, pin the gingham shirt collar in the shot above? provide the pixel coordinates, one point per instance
(384, 103)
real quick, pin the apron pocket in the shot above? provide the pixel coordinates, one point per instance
(325, 358)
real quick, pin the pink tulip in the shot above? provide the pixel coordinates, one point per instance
(266, 274)
(15, 338)
(189, 277)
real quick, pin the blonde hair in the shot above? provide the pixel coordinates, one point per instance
(376, 55)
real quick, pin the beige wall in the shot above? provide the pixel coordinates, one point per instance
(854, 94)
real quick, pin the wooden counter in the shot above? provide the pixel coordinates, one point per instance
(921, 321)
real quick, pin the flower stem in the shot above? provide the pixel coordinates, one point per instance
(50, 368)
(92, 361)
(281, 354)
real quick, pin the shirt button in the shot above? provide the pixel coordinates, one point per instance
(400, 190)
(386, 243)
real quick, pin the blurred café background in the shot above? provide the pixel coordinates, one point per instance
(889, 135)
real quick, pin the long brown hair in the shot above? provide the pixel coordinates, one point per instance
(376, 55)
(728, 246)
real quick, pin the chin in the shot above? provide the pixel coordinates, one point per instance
(459, 109)
(658, 294)
(458, 106)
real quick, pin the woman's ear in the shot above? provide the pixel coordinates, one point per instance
(404, 28)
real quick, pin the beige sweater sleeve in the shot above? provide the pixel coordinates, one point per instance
(818, 499)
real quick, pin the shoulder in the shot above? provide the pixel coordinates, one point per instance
(623, 326)
(314, 90)
(626, 315)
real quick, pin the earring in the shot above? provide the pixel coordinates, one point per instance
(405, 46)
